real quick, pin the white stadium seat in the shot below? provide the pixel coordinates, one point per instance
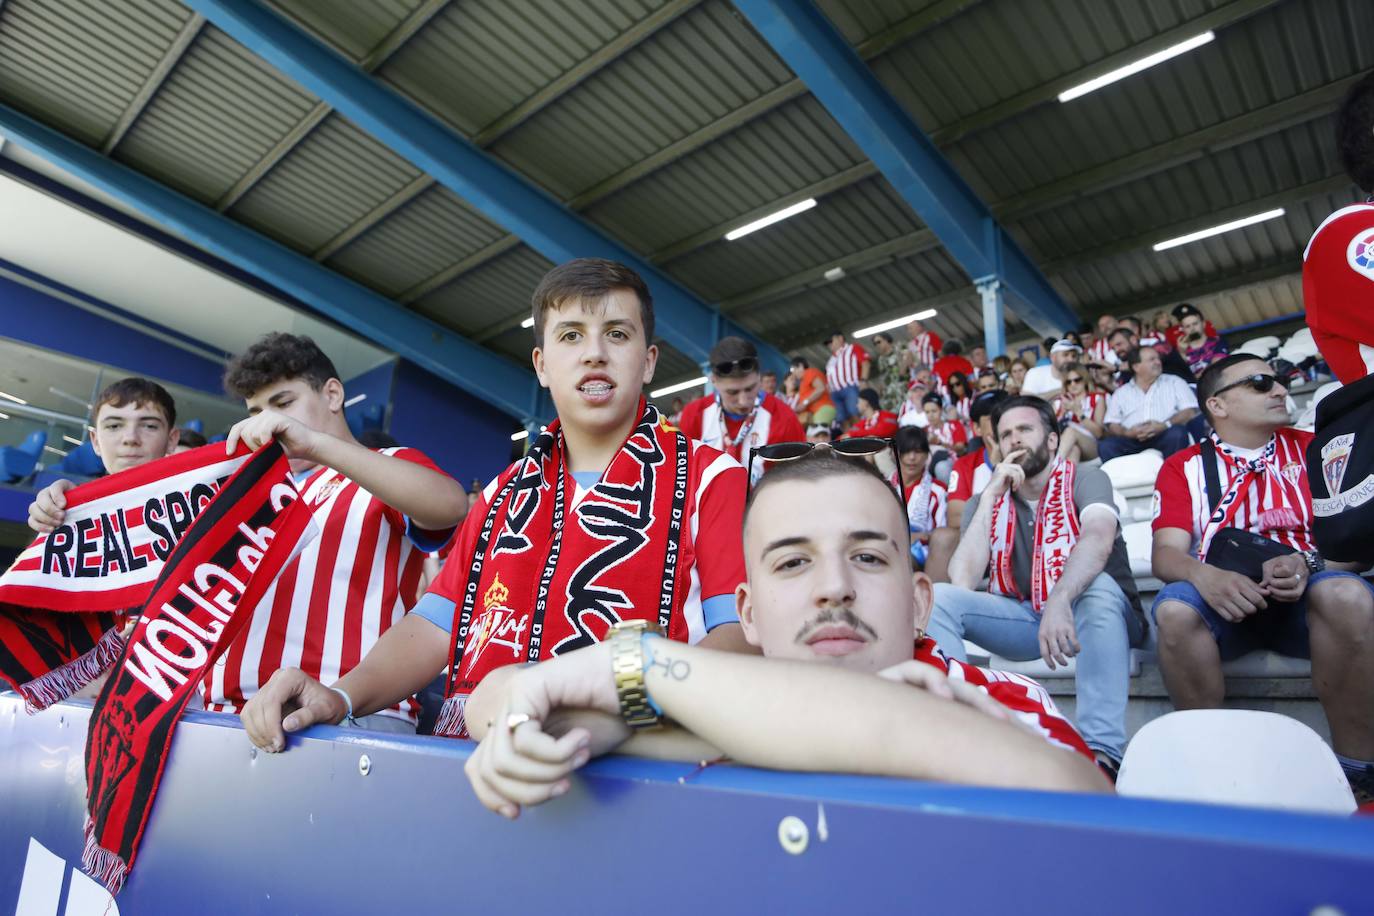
(1235, 757)
(1308, 420)
(1259, 346)
(1139, 543)
(1135, 475)
(1298, 347)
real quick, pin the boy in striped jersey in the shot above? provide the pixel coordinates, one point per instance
(1206, 615)
(378, 513)
(608, 518)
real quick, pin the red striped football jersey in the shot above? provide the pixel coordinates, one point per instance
(331, 605)
(842, 369)
(1277, 506)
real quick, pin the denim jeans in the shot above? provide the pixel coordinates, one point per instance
(846, 402)
(1011, 629)
(1173, 439)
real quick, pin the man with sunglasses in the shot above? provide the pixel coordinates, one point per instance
(1302, 606)
(1153, 411)
(737, 417)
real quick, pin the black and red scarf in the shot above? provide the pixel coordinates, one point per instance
(547, 578)
(203, 598)
(62, 599)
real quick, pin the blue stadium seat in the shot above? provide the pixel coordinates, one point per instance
(196, 425)
(18, 462)
(81, 461)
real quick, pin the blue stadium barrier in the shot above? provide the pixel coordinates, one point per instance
(18, 461)
(354, 822)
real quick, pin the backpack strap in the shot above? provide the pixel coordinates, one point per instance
(1210, 475)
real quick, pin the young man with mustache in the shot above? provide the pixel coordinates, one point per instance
(599, 523)
(1046, 534)
(833, 604)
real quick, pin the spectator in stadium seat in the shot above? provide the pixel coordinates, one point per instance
(978, 356)
(1124, 340)
(1016, 376)
(892, 378)
(819, 432)
(1080, 410)
(1048, 381)
(960, 394)
(944, 431)
(736, 417)
(674, 412)
(967, 478)
(1153, 411)
(1198, 349)
(923, 348)
(926, 498)
(845, 372)
(912, 413)
(1046, 533)
(1338, 263)
(135, 422)
(814, 404)
(188, 439)
(1101, 349)
(952, 360)
(768, 381)
(593, 328)
(359, 497)
(1302, 606)
(1130, 323)
(832, 602)
(873, 420)
(988, 381)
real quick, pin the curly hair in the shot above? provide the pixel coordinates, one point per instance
(1355, 133)
(276, 357)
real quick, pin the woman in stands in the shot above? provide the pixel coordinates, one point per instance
(1016, 375)
(943, 433)
(1080, 409)
(960, 396)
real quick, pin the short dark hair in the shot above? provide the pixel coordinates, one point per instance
(275, 357)
(1211, 378)
(933, 398)
(799, 362)
(189, 438)
(731, 349)
(952, 347)
(1135, 355)
(883, 335)
(1355, 133)
(1039, 405)
(769, 373)
(911, 439)
(1184, 309)
(1120, 329)
(819, 464)
(871, 396)
(590, 279)
(137, 390)
(985, 403)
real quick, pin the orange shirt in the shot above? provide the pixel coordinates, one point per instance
(808, 382)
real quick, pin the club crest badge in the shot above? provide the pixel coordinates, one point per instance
(1360, 253)
(1335, 459)
(1292, 472)
(498, 625)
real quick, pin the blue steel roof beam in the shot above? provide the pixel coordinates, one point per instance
(430, 345)
(496, 191)
(812, 47)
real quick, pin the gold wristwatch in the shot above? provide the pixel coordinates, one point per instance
(627, 667)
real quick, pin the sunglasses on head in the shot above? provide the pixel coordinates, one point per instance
(860, 447)
(741, 366)
(1259, 382)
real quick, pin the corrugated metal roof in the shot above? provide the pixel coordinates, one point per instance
(77, 64)
(330, 180)
(430, 233)
(353, 27)
(218, 113)
(495, 291)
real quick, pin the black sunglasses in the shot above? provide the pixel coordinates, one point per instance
(860, 447)
(741, 366)
(1259, 382)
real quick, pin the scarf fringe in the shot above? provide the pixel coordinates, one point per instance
(451, 721)
(101, 864)
(60, 683)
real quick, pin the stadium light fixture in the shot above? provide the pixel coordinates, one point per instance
(55, 451)
(71, 440)
(524, 434)
(10, 397)
(770, 219)
(527, 323)
(680, 386)
(356, 399)
(1145, 63)
(1218, 230)
(894, 323)
(4, 416)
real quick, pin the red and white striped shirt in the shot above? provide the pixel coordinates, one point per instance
(935, 514)
(842, 369)
(1025, 698)
(1101, 352)
(924, 347)
(1277, 505)
(330, 606)
(1065, 408)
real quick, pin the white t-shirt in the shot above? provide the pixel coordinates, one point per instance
(1040, 380)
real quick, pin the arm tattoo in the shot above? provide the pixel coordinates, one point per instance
(676, 668)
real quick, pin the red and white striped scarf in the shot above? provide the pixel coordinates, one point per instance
(1283, 502)
(1056, 532)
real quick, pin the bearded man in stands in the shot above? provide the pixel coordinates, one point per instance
(1250, 476)
(1046, 534)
